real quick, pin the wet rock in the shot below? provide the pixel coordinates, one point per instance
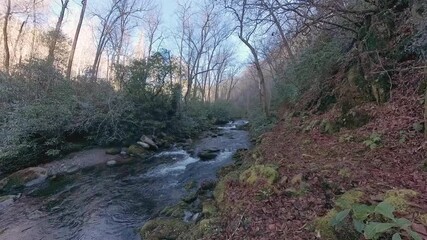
(196, 217)
(190, 198)
(124, 151)
(111, 163)
(149, 141)
(163, 229)
(24, 178)
(188, 216)
(208, 154)
(113, 151)
(144, 145)
(72, 169)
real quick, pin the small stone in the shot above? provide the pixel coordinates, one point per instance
(111, 163)
(143, 144)
(196, 217)
(72, 169)
(283, 180)
(113, 151)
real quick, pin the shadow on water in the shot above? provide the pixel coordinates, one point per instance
(112, 203)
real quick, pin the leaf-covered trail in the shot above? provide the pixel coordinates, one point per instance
(328, 166)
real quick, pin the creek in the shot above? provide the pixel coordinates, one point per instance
(112, 203)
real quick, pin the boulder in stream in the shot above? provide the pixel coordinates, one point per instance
(24, 178)
(149, 141)
(209, 154)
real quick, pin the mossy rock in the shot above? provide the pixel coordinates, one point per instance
(209, 209)
(323, 226)
(329, 127)
(257, 173)
(399, 198)
(159, 229)
(348, 199)
(175, 211)
(136, 150)
(113, 151)
(189, 198)
(200, 230)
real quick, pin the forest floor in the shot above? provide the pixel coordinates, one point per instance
(324, 166)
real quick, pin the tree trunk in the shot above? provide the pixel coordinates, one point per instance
(33, 37)
(5, 38)
(76, 38)
(263, 86)
(52, 46)
(15, 47)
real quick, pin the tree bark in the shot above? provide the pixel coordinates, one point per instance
(76, 38)
(52, 46)
(5, 38)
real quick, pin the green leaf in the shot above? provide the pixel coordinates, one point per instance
(403, 222)
(414, 235)
(358, 225)
(339, 218)
(373, 229)
(361, 211)
(385, 209)
(396, 236)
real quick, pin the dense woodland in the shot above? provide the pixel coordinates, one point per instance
(342, 72)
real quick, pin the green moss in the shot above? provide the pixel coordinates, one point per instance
(209, 209)
(258, 173)
(176, 211)
(323, 226)
(136, 151)
(399, 198)
(157, 229)
(190, 185)
(220, 187)
(349, 198)
(423, 219)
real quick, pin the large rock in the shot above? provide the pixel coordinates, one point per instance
(208, 154)
(24, 178)
(136, 150)
(149, 141)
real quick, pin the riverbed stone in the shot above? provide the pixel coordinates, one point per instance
(144, 145)
(111, 163)
(113, 151)
(24, 178)
(157, 229)
(207, 155)
(137, 150)
(149, 141)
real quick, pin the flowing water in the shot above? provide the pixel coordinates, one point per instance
(111, 203)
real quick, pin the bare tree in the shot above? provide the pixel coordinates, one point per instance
(5, 37)
(57, 31)
(76, 38)
(245, 30)
(152, 27)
